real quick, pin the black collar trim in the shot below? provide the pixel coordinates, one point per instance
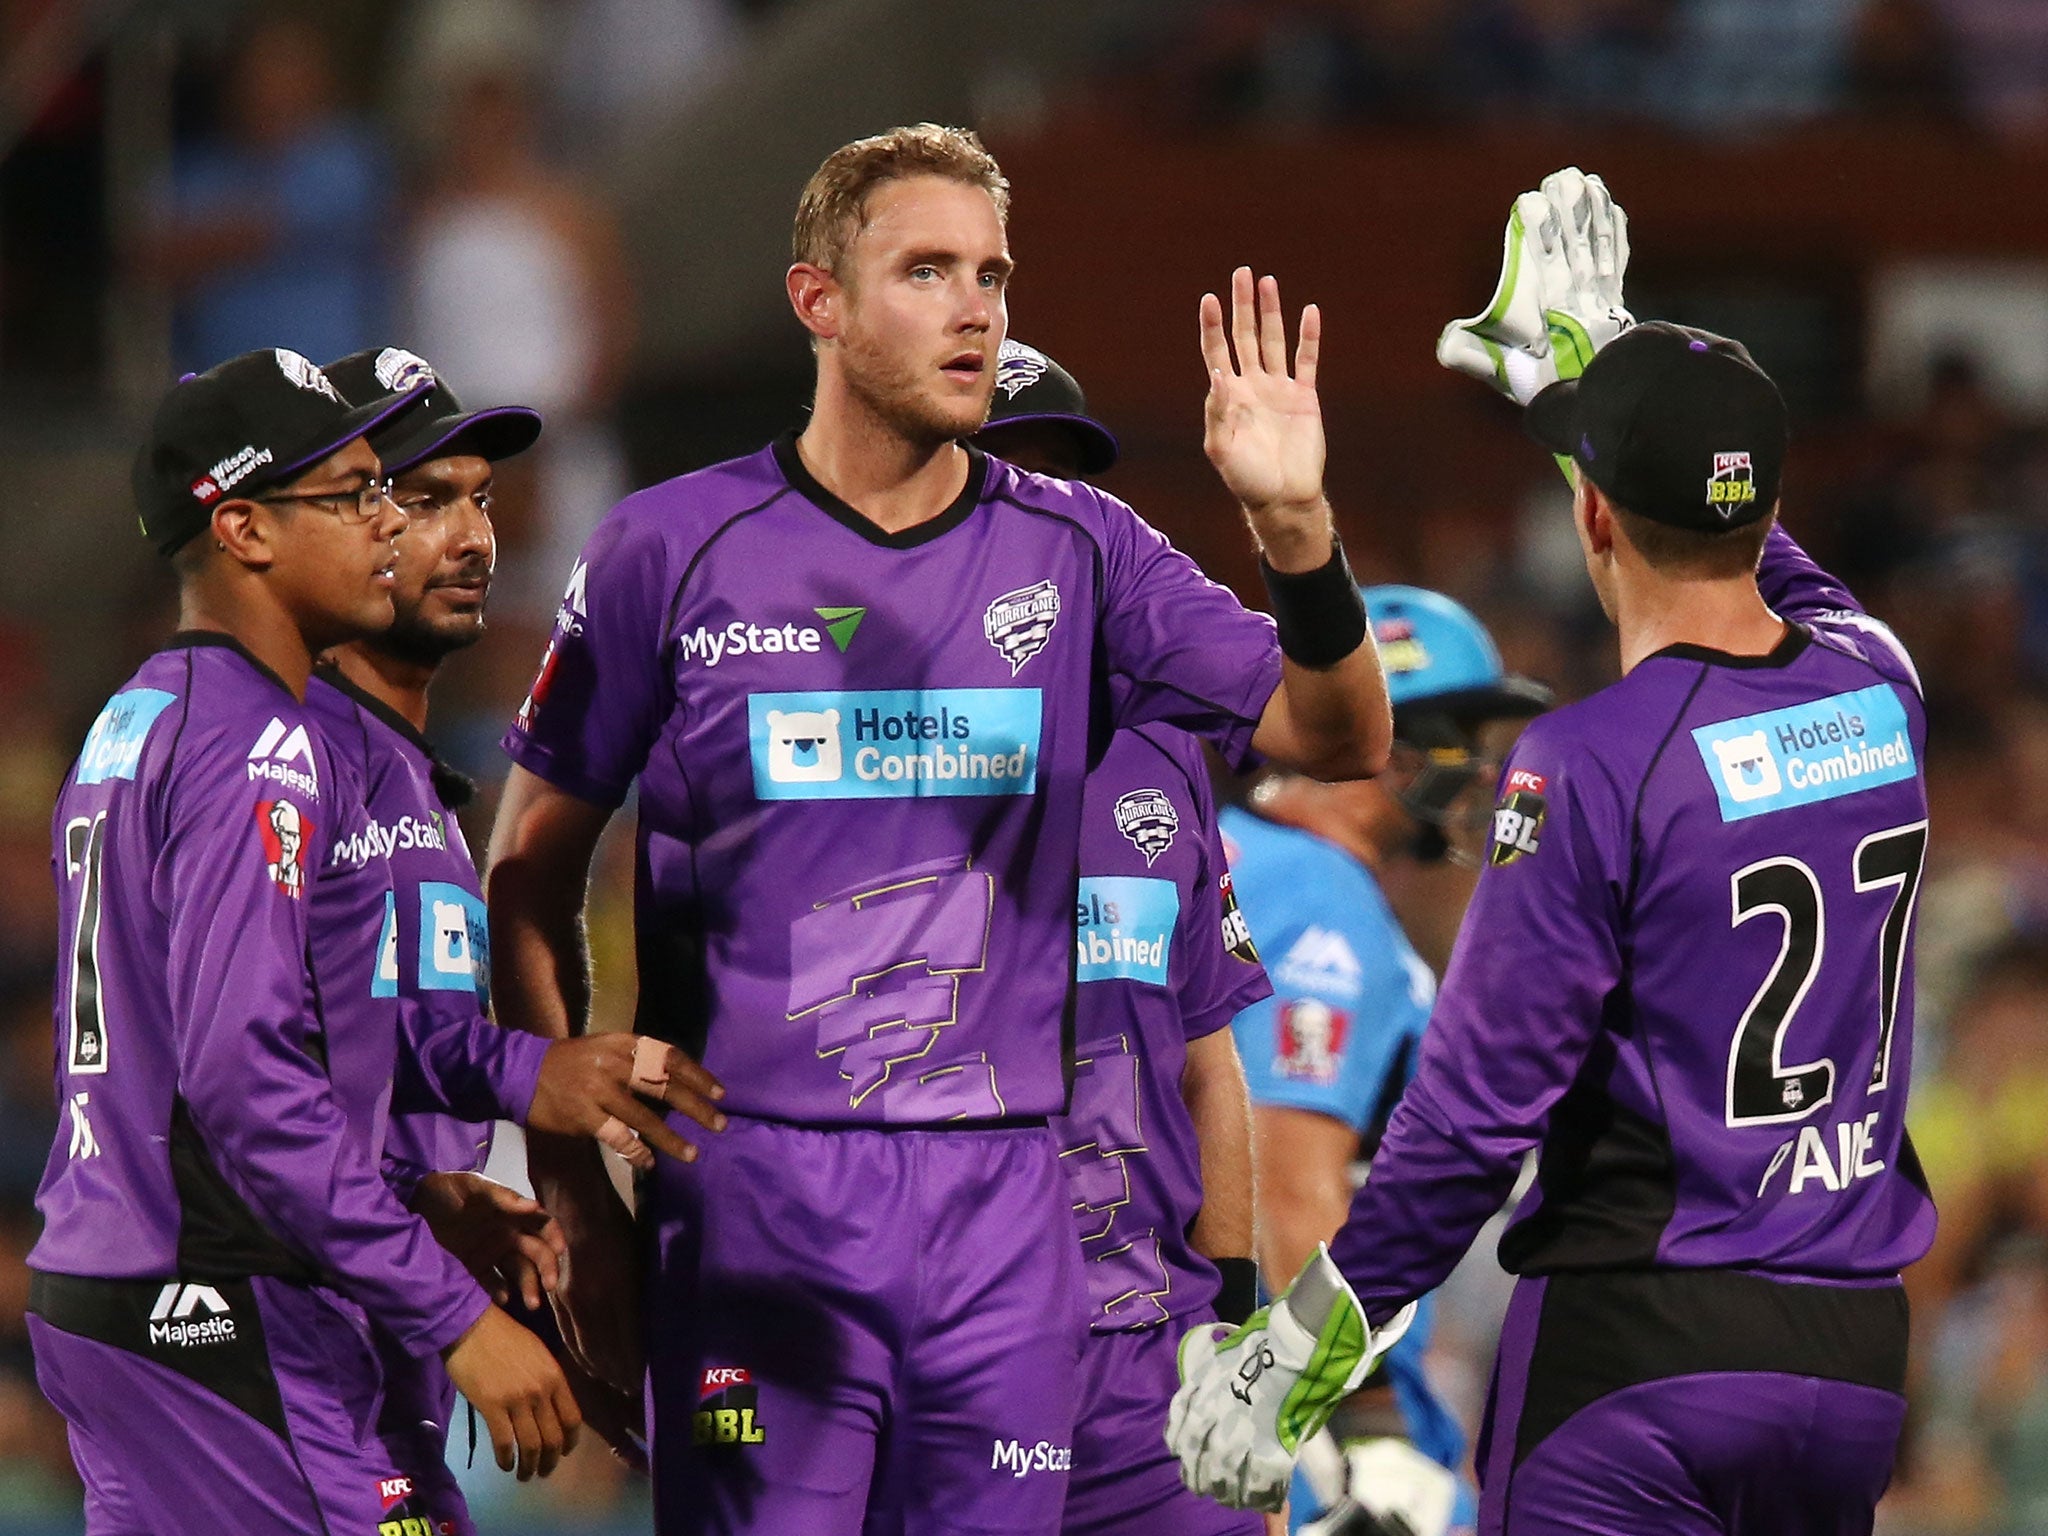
(1783, 654)
(190, 639)
(373, 706)
(791, 463)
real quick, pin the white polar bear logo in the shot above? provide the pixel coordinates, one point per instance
(1747, 767)
(803, 746)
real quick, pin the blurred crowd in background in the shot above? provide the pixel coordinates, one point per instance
(551, 201)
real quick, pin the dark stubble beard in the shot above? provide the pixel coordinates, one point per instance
(413, 639)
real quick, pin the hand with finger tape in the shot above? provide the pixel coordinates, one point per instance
(603, 1086)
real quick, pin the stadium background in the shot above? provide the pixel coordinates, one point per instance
(584, 204)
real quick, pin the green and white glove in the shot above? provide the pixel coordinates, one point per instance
(1390, 1489)
(1249, 1397)
(1559, 297)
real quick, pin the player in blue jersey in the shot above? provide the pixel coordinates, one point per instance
(858, 679)
(219, 1246)
(1686, 977)
(1328, 1055)
(1158, 1142)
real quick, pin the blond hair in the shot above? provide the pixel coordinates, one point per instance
(834, 202)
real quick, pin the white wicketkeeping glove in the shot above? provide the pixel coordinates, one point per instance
(1391, 1489)
(1559, 296)
(1249, 1397)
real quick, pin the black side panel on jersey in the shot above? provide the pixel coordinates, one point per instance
(1608, 1179)
(219, 1237)
(157, 1320)
(672, 1005)
(1600, 1333)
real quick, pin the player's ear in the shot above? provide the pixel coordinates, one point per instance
(1594, 514)
(817, 297)
(246, 531)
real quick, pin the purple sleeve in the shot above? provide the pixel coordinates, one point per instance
(1224, 976)
(1797, 589)
(603, 690)
(469, 1068)
(1179, 647)
(251, 1064)
(1520, 1008)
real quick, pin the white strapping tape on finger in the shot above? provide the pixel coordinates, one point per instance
(650, 1066)
(625, 1141)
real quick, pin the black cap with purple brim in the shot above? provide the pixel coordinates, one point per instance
(1032, 387)
(440, 427)
(1677, 425)
(244, 425)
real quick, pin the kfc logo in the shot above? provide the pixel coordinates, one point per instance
(1523, 779)
(1311, 1043)
(284, 830)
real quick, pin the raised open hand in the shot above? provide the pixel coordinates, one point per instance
(1264, 427)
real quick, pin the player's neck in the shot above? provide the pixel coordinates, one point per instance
(891, 481)
(399, 685)
(1728, 615)
(260, 628)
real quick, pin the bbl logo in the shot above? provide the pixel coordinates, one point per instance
(1237, 933)
(1730, 488)
(1518, 819)
(1148, 819)
(1019, 623)
(1401, 651)
(726, 1408)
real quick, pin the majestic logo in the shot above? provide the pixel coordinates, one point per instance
(174, 1319)
(840, 624)
(83, 1143)
(1148, 819)
(1321, 960)
(570, 615)
(1809, 752)
(276, 752)
(894, 743)
(1747, 768)
(284, 830)
(1730, 488)
(1517, 826)
(739, 638)
(803, 746)
(1237, 933)
(728, 1408)
(1018, 367)
(1311, 1040)
(1123, 928)
(1401, 652)
(400, 371)
(1019, 623)
(1021, 1460)
(305, 373)
(113, 747)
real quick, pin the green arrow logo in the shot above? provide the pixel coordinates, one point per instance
(840, 623)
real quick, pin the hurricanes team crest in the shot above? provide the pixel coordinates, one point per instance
(1019, 623)
(304, 372)
(399, 370)
(1148, 819)
(1730, 488)
(1018, 367)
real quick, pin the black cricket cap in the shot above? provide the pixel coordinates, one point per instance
(439, 426)
(244, 425)
(1032, 387)
(1677, 425)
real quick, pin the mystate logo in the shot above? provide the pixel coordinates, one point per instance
(894, 743)
(1807, 752)
(1021, 1460)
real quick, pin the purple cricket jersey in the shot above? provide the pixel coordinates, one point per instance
(1687, 975)
(435, 951)
(224, 1060)
(860, 759)
(1162, 957)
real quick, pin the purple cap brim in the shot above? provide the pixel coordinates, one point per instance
(359, 422)
(1105, 449)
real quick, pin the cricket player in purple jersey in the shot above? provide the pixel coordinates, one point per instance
(1686, 977)
(1158, 1141)
(218, 1241)
(859, 678)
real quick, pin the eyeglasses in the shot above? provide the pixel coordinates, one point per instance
(357, 506)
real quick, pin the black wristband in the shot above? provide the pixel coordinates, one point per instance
(1239, 1297)
(1319, 613)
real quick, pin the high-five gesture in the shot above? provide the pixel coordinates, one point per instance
(1264, 427)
